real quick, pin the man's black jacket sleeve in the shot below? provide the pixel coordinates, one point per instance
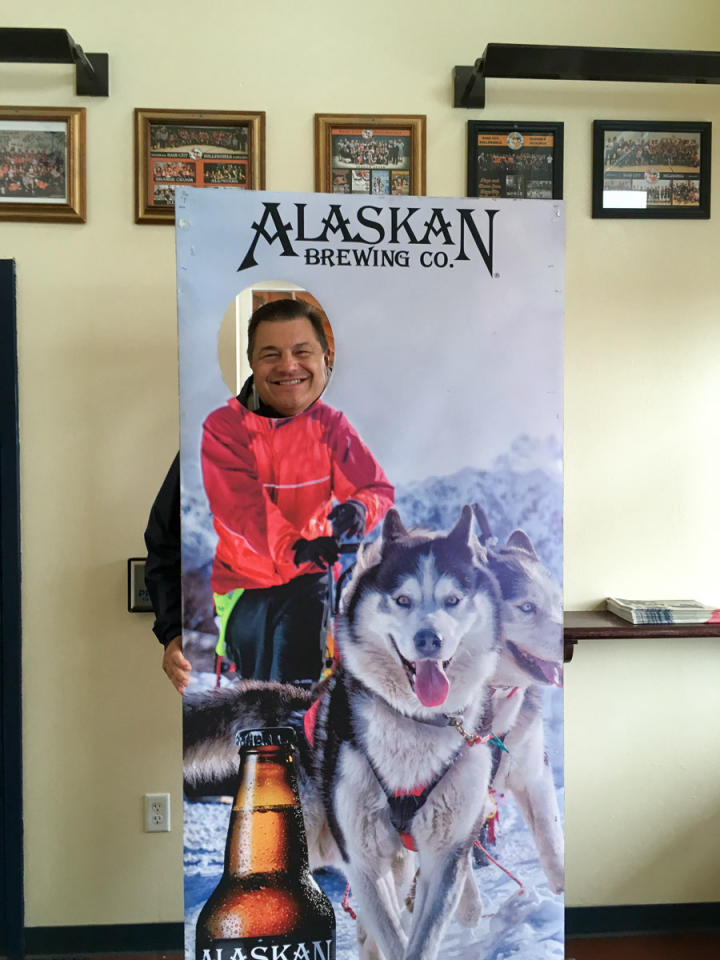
(162, 569)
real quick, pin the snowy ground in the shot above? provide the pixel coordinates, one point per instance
(527, 925)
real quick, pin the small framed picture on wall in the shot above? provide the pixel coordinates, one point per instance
(651, 169)
(212, 148)
(381, 154)
(42, 164)
(513, 159)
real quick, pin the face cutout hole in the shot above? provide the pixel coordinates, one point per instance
(232, 338)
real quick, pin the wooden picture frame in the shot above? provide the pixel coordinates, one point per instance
(209, 148)
(370, 154)
(42, 164)
(650, 170)
(522, 160)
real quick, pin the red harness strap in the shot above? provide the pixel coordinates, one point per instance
(310, 722)
(408, 842)
(513, 690)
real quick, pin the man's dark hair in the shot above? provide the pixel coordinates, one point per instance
(285, 310)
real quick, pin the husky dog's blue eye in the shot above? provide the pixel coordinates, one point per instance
(528, 607)
(452, 600)
(402, 600)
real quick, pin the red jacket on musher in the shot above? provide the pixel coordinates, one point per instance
(270, 482)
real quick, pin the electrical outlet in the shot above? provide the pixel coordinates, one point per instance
(157, 812)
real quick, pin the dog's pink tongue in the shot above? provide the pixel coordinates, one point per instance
(431, 684)
(552, 672)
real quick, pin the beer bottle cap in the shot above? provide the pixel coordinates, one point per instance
(266, 737)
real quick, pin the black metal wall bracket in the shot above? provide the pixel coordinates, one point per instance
(25, 45)
(539, 62)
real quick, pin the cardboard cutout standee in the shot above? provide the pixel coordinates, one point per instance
(433, 748)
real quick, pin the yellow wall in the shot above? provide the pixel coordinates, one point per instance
(98, 385)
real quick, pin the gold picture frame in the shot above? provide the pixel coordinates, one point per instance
(370, 154)
(208, 148)
(42, 164)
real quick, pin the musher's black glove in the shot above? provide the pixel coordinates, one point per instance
(349, 518)
(320, 551)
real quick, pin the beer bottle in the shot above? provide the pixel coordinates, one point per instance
(267, 905)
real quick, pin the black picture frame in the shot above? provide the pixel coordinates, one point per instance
(669, 172)
(138, 600)
(494, 149)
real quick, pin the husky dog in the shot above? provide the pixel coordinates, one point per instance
(530, 658)
(396, 755)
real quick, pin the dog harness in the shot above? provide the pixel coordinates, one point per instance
(404, 804)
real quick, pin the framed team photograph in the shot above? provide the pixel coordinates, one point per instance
(212, 148)
(42, 164)
(374, 155)
(651, 170)
(516, 160)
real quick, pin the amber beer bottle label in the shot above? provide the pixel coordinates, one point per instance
(270, 948)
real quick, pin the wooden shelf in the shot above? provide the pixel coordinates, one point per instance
(603, 625)
(535, 61)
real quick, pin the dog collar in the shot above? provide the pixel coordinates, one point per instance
(472, 739)
(456, 720)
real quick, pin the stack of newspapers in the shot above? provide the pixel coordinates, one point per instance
(662, 611)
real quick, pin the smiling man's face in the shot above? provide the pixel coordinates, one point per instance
(288, 364)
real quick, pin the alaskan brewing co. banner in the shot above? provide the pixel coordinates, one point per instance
(429, 762)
